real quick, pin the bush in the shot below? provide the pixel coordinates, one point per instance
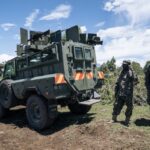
(107, 91)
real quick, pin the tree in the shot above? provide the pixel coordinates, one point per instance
(137, 68)
(104, 68)
(109, 66)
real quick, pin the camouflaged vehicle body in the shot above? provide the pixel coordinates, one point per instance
(59, 68)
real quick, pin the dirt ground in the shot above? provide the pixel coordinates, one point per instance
(70, 132)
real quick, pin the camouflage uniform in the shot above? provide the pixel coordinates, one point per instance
(124, 92)
(147, 82)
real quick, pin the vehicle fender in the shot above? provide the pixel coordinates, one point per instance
(30, 91)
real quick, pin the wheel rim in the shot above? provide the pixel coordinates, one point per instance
(35, 112)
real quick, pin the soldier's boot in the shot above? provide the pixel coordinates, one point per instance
(114, 118)
(127, 121)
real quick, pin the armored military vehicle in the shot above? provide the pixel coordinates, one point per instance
(51, 69)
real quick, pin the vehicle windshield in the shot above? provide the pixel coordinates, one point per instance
(78, 53)
(9, 69)
(87, 54)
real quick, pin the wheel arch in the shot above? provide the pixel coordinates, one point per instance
(31, 91)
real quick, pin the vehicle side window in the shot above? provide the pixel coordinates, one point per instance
(21, 64)
(78, 53)
(9, 69)
(48, 55)
(34, 59)
(88, 54)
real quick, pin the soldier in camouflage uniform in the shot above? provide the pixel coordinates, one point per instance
(147, 82)
(124, 92)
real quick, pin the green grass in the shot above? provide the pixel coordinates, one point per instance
(103, 113)
(141, 115)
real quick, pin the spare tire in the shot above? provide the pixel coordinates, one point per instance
(7, 97)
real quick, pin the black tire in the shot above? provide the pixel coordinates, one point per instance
(37, 113)
(7, 97)
(78, 108)
(3, 111)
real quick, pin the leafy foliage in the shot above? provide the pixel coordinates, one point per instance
(109, 66)
(137, 68)
(107, 91)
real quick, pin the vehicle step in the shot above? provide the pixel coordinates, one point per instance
(90, 102)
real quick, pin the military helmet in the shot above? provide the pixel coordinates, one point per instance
(126, 62)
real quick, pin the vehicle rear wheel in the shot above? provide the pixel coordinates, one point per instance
(37, 113)
(3, 111)
(7, 97)
(79, 109)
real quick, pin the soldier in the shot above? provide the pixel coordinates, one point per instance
(147, 82)
(124, 92)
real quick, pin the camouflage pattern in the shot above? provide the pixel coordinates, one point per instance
(120, 102)
(124, 90)
(147, 82)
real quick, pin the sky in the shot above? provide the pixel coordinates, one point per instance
(123, 25)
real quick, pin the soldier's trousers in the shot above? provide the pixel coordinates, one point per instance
(120, 102)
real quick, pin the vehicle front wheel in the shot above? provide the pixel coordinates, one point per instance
(7, 97)
(79, 109)
(37, 113)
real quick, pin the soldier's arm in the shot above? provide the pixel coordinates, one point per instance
(116, 87)
(133, 76)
